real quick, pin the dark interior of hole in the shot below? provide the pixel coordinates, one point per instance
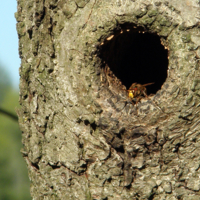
(137, 57)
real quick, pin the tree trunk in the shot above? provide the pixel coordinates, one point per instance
(83, 136)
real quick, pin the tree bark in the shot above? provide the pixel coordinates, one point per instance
(83, 137)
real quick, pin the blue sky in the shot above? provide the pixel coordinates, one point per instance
(9, 57)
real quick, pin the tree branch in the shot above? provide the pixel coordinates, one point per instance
(11, 115)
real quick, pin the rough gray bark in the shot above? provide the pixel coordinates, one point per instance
(81, 139)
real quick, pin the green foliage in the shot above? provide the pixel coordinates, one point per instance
(4, 83)
(14, 183)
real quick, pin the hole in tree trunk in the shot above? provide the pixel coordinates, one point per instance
(135, 55)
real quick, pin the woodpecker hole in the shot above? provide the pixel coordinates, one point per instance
(135, 55)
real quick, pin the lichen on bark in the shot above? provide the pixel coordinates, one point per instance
(82, 137)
